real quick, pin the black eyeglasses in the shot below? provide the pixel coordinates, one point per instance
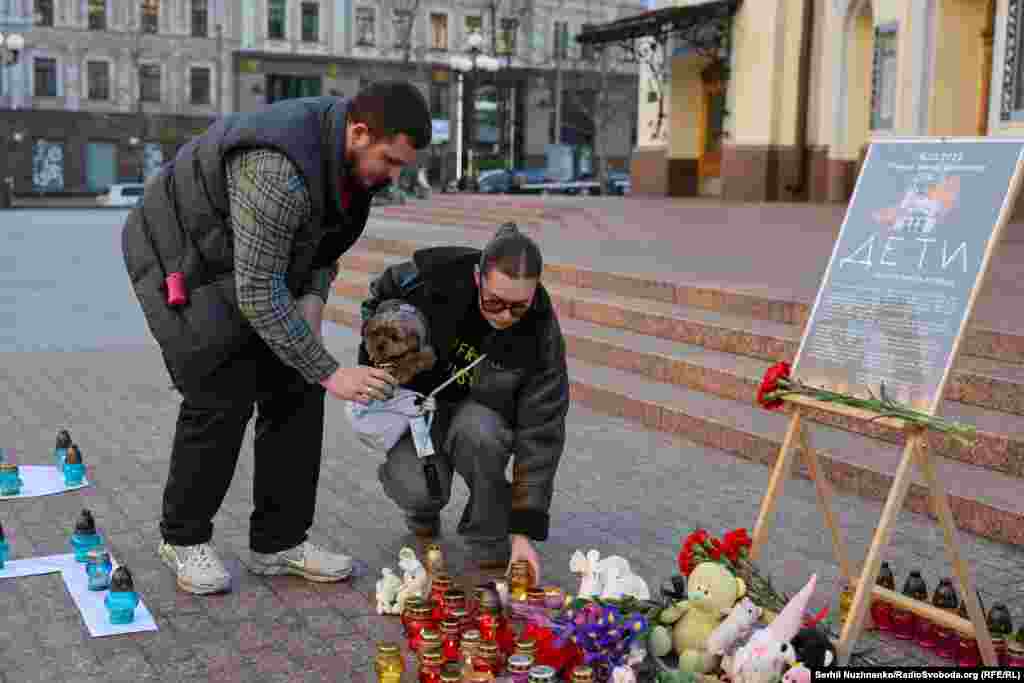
(495, 305)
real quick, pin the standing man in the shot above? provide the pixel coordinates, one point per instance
(511, 405)
(232, 253)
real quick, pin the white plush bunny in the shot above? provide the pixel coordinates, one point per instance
(618, 580)
(736, 627)
(414, 577)
(591, 581)
(388, 587)
(623, 674)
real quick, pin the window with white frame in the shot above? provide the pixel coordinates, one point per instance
(474, 24)
(438, 31)
(883, 78)
(366, 26)
(507, 35)
(44, 75)
(199, 85)
(97, 75)
(43, 11)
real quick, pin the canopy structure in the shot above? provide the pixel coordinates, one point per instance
(704, 27)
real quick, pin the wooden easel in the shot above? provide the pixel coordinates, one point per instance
(915, 451)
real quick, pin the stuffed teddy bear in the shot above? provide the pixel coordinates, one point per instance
(712, 592)
(397, 339)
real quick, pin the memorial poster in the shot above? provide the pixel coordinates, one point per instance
(896, 294)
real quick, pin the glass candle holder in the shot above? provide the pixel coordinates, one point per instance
(85, 537)
(388, 660)
(542, 673)
(554, 597)
(429, 640)
(451, 638)
(967, 654)
(441, 584)
(905, 622)
(519, 666)
(488, 658)
(98, 568)
(430, 667)
(461, 616)
(74, 468)
(419, 619)
(945, 598)
(469, 645)
(451, 673)
(845, 600)
(520, 579)
(453, 599)
(60, 449)
(1000, 626)
(1014, 653)
(410, 604)
(10, 479)
(582, 674)
(122, 599)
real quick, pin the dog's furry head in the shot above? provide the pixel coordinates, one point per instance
(397, 339)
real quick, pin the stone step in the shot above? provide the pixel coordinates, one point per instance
(979, 341)
(984, 502)
(998, 445)
(976, 381)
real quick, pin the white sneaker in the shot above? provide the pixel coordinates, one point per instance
(306, 560)
(197, 568)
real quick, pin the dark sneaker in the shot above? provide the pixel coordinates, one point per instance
(424, 527)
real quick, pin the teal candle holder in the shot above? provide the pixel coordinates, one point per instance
(10, 480)
(85, 537)
(60, 451)
(122, 599)
(4, 547)
(74, 468)
(99, 568)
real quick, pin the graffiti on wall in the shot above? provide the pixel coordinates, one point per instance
(48, 166)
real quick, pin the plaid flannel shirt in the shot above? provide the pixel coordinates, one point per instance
(270, 205)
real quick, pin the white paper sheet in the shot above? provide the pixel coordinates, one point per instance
(90, 603)
(32, 566)
(42, 480)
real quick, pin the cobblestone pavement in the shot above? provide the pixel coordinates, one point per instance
(621, 489)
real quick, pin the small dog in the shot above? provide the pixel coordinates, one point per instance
(397, 339)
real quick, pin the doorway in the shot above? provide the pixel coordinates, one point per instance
(710, 130)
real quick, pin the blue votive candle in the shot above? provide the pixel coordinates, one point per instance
(10, 481)
(74, 468)
(4, 548)
(99, 568)
(85, 537)
(122, 599)
(60, 451)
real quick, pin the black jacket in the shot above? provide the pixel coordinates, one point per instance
(182, 225)
(524, 379)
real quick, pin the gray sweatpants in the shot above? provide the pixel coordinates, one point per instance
(477, 446)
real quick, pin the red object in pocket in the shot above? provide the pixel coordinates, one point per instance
(177, 294)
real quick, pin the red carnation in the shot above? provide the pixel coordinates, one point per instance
(770, 383)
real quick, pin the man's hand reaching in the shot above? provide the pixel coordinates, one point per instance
(361, 384)
(523, 550)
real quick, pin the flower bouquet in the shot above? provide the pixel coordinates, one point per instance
(733, 551)
(602, 634)
(777, 384)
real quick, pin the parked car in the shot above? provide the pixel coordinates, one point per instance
(122, 194)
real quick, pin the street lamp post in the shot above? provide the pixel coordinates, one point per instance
(11, 46)
(471, 62)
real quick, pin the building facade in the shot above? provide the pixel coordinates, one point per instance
(786, 107)
(106, 90)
